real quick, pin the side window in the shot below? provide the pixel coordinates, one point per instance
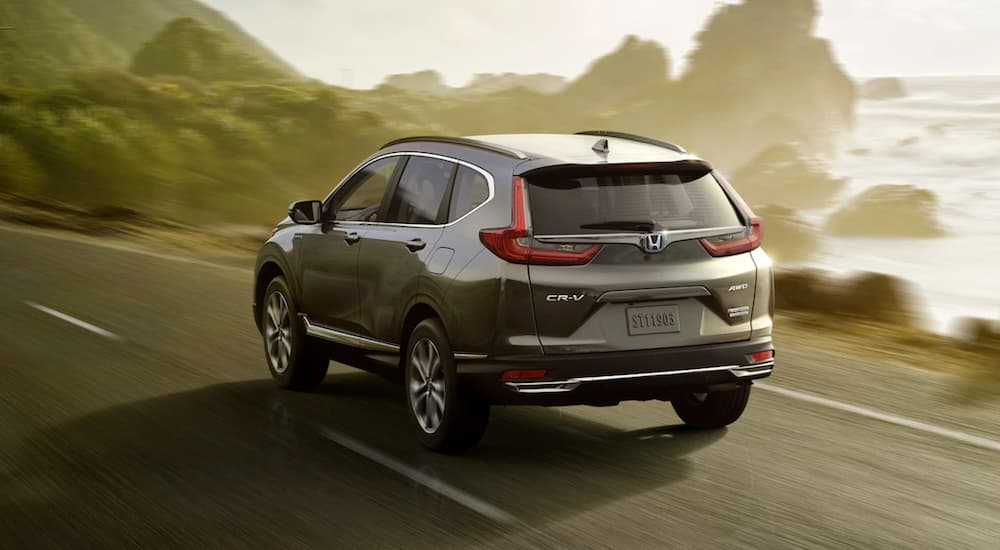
(421, 191)
(364, 192)
(471, 190)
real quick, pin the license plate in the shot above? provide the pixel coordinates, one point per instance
(652, 320)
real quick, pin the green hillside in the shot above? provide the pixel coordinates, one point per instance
(130, 23)
(188, 48)
(45, 41)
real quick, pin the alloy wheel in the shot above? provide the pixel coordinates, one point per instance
(427, 385)
(278, 332)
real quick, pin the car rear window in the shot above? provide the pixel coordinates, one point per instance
(581, 204)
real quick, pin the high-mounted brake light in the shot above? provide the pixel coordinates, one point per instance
(514, 244)
(736, 243)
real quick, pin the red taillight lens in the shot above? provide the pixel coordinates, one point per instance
(762, 356)
(512, 243)
(533, 374)
(737, 243)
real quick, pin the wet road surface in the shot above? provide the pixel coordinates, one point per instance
(162, 429)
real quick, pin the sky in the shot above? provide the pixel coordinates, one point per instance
(357, 43)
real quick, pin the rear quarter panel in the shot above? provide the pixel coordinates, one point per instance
(485, 301)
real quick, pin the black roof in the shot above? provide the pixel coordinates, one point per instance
(584, 148)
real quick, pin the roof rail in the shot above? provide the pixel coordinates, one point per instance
(633, 137)
(468, 142)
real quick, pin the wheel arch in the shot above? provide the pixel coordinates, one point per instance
(267, 270)
(421, 308)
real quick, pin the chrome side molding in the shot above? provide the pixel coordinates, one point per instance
(347, 338)
(363, 342)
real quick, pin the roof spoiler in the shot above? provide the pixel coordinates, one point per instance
(687, 169)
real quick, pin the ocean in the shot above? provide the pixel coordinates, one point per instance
(944, 136)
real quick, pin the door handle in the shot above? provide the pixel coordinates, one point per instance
(415, 245)
(352, 238)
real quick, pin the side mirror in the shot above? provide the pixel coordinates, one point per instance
(305, 212)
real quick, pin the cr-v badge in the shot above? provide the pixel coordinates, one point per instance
(564, 297)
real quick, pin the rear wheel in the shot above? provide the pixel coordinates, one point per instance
(446, 418)
(295, 360)
(714, 409)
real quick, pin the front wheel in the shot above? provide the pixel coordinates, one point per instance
(295, 360)
(446, 418)
(712, 410)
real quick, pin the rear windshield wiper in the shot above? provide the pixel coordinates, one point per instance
(622, 225)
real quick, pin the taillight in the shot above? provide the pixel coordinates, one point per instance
(736, 243)
(514, 244)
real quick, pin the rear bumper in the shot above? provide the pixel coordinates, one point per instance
(611, 377)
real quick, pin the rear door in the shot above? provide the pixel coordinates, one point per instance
(393, 255)
(653, 283)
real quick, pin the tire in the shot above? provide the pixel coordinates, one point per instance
(295, 360)
(712, 410)
(430, 382)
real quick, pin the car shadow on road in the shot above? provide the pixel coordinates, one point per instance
(232, 451)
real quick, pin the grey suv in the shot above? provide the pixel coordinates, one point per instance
(534, 269)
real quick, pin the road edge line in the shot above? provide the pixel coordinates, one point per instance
(969, 439)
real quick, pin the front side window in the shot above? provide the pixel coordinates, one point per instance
(364, 192)
(421, 191)
(471, 189)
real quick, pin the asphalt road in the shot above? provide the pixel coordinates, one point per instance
(165, 431)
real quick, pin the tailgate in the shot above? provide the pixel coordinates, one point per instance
(653, 283)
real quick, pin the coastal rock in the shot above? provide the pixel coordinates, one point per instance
(877, 297)
(635, 68)
(806, 290)
(787, 237)
(980, 332)
(902, 211)
(866, 296)
(883, 88)
(772, 64)
(781, 175)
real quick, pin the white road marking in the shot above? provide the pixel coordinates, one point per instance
(442, 488)
(956, 435)
(74, 321)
